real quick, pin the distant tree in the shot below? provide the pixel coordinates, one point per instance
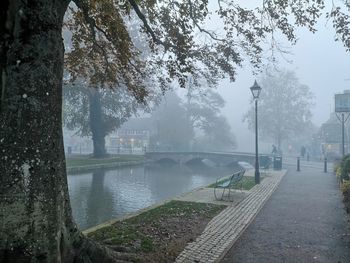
(174, 132)
(202, 104)
(180, 122)
(216, 137)
(203, 107)
(284, 107)
(97, 112)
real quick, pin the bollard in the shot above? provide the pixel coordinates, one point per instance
(298, 164)
(325, 165)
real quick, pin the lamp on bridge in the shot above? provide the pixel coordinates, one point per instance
(256, 89)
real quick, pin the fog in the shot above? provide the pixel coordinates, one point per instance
(95, 131)
(319, 62)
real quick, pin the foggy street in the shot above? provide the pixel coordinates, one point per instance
(303, 221)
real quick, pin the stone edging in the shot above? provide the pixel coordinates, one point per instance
(84, 168)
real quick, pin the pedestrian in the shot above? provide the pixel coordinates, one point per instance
(274, 149)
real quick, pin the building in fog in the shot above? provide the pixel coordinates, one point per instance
(132, 136)
(331, 137)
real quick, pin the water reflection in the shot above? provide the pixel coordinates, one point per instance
(99, 200)
(102, 195)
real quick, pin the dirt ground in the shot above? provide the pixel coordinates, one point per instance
(158, 237)
(170, 237)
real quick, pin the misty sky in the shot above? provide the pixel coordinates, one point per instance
(319, 62)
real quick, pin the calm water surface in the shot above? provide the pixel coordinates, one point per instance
(102, 195)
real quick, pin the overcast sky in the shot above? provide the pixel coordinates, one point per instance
(319, 62)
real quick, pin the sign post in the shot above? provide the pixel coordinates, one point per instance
(342, 107)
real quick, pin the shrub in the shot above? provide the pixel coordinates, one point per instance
(338, 170)
(345, 187)
(345, 167)
(336, 164)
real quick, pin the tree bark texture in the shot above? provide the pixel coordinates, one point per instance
(35, 213)
(97, 124)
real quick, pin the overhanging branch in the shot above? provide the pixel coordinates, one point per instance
(202, 30)
(92, 25)
(150, 31)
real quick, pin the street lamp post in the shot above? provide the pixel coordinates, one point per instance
(256, 89)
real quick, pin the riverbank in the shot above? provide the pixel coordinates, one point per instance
(82, 163)
(162, 232)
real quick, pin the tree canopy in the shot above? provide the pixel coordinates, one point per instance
(203, 108)
(177, 35)
(173, 131)
(284, 107)
(194, 123)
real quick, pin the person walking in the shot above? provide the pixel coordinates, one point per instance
(274, 149)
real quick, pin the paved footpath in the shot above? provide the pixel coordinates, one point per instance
(225, 228)
(303, 221)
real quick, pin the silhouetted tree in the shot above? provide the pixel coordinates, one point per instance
(174, 132)
(203, 108)
(284, 107)
(97, 112)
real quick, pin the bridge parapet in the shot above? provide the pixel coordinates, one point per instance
(219, 158)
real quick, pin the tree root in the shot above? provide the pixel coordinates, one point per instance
(89, 251)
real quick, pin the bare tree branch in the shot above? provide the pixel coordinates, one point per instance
(202, 30)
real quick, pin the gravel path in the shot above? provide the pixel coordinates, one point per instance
(303, 221)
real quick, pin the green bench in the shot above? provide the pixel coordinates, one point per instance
(223, 185)
(264, 163)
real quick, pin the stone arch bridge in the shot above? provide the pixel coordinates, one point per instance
(218, 158)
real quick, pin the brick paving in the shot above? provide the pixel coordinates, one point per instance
(224, 229)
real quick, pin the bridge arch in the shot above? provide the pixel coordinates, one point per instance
(217, 158)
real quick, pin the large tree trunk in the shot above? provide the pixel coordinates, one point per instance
(35, 213)
(97, 124)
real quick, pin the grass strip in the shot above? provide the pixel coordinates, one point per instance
(85, 160)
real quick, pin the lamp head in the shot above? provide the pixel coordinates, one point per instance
(255, 89)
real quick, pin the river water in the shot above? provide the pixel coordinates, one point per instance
(102, 195)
